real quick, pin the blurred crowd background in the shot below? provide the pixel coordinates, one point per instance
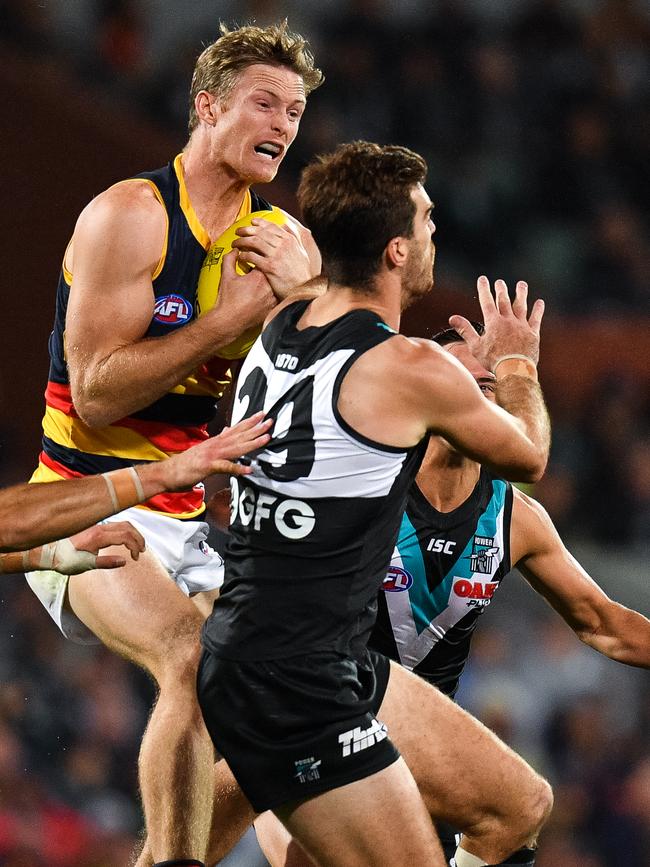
(534, 117)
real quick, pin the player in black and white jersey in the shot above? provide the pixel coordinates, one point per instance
(287, 686)
(462, 530)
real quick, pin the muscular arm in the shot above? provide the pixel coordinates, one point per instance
(32, 515)
(540, 555)
(114, 370)
(430, 391)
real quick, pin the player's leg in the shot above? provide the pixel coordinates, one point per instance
(355, 825)
(466, 775)
(138, 612)
(232, 815)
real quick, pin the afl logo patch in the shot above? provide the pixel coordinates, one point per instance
(172, 310)
(397, 580)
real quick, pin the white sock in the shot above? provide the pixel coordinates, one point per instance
(465, 859)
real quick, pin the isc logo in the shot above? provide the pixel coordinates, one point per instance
(441, 546)
(172, 310)
(284, 361)
(397, 580)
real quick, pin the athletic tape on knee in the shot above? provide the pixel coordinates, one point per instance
(124, 487)
(62, 556)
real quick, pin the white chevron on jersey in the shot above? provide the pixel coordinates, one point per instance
(344, 465)
(413, 647)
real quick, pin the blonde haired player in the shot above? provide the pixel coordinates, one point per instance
(137, 380)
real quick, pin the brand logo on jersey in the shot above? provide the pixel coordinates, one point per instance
(477, 593)
(307, 769)
(397, 580)
(213, 257)
(172, 310)
(441, 546)
(358, 739)
(284, 361)
(294, 519)
(482, 556)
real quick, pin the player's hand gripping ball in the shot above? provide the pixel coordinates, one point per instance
(207, 290)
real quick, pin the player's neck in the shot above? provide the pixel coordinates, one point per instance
(216, 193)
(447, 478)
(338, 300)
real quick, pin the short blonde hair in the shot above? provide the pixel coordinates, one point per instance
(221, 62)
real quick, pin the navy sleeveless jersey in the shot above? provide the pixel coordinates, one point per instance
(178, 419)
(444, 571)
(313, 527)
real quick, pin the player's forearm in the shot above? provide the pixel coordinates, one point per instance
(136, 375)
(33, 515)
(622, 634)
(522, 397)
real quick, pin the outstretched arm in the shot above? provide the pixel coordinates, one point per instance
(540, 555)
(32, 515)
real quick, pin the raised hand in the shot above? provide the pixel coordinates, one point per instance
(217, 454)
(508, 328)
(287, 255)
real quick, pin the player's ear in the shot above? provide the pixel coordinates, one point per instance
(207, 107)
(396, 252)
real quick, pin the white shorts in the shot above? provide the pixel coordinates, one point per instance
(180, 546)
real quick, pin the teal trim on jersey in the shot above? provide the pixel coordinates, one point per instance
(386, 327)
(408, 546)
(427, 604)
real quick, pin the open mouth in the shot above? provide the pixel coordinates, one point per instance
(269, 149)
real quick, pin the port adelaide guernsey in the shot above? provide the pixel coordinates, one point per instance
(314, 526)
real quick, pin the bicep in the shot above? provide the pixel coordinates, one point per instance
(111, 295)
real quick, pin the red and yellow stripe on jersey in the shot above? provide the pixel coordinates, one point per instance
(177, 420)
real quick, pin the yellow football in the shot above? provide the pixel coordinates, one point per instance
(207, 290)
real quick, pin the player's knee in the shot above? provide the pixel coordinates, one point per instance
(178, 657)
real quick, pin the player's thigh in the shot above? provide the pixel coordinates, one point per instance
(462, 769)
(139, 612)
(355, 825)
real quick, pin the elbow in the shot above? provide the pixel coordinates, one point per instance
(529, 472)
(92, 410)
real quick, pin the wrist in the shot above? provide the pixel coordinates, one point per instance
(515, 364)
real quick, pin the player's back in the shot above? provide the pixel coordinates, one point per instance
(314, 525)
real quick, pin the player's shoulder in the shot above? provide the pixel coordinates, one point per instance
(133, 199)
(127, 210)
(420, 361)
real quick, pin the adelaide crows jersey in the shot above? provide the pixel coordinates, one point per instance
(313, 527)
(444, 571)
(178, 419)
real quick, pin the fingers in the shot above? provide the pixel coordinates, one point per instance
(520, 304)
(485, 299)
(536, 314)
(465, 328)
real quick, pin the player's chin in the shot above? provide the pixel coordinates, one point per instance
(263, 172)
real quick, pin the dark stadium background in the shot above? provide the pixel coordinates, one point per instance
(535, 120)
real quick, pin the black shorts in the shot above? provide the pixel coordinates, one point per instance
(291, 728)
